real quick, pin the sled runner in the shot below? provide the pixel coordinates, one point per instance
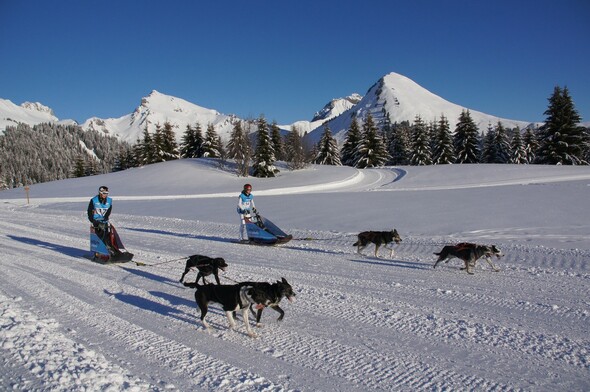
(106, 245)
(262, 231)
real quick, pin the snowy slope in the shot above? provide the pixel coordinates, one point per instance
(359, 323)
(404, 99)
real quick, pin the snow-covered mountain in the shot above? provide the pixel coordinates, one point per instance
(158, 108)
(28, 112)
(403, 99)
(395, 94)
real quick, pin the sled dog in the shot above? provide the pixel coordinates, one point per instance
(274, 293)
(231, 298)
(206, 266)
(378, 238)
(469, 253)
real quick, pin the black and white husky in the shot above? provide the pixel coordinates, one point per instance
(231, 298)
(469, 253)
(274, 293)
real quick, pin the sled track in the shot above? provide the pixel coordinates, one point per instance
(358, 322)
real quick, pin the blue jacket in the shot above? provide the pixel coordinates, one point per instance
(98, 210)
(245, 203)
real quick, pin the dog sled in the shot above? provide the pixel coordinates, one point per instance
(262, 231)
(106, 245)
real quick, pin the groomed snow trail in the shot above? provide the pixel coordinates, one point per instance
(358, 323)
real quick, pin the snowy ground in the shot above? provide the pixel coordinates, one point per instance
(358, 323)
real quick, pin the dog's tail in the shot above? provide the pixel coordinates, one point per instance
(356, 243)
(437, 254)
(193, 285)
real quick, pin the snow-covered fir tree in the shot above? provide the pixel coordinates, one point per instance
(211, 144)
(562, 140)
(517, 151)
(294, 150)
(400, 144)
(80, 166)
(444, 152)
(169, 148)
(264, 155)
(466, 139)
(49, 152)
(328, 153)
(145, 152)
(353, 138)
(371, 151)
(277, 141)
(157, 144)
(531, 145)
(489, 150)
(502, 144)
(240, 149)
(125, 159)
(421, 153)
(192, 142)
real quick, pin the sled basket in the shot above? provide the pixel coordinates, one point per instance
(106, 246)
(263, 232)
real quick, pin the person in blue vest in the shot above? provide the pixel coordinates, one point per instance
(99, 211)
(245, 208)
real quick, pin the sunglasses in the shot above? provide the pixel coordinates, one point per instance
(104, 192)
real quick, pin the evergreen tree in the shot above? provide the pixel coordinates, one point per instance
(157, 145)
(277, 141)
(444, 152)
(169, 148)
(421, 153)
(466, 139)
(502, 144)
(80, 166)
(264, 155)
(531, 145)
(489, 150)
(48, 152)
(518, 153)
(192, 142)
(240, 149)
(371, 151)
(211, 145)
(353, 139)
(328, 153)
(294, 151)
(562, 139)
(400, 144)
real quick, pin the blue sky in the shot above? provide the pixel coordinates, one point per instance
(286, 60)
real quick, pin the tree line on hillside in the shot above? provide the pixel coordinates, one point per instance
(560, 141)
(48, 152)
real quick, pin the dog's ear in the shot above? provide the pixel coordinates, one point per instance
(284, 281)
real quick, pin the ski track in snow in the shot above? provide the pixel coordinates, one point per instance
(358, 322)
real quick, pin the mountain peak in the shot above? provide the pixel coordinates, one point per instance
(336, 107)
(36, 106)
